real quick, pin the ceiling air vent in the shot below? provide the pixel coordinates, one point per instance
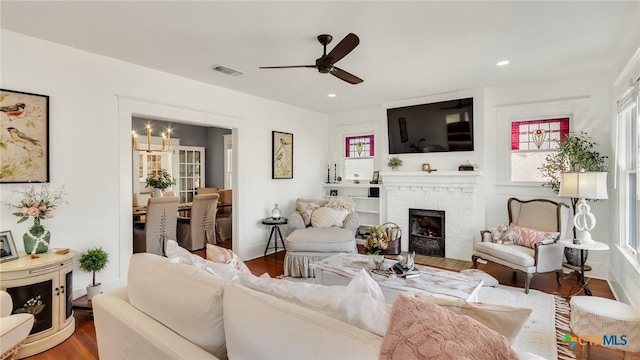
(226, 70)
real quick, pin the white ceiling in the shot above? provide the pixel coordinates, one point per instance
(407, 49)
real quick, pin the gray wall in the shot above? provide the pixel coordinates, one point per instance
(190, 135)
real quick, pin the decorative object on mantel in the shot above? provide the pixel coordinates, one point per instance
(427, 168)
(575, 153)
(39, 205)
(394, 162)
(93, 261)
(166, 141)
(467, 166)
(160, 180)
(24, 120)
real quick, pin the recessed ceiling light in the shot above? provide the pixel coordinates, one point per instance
(332, 95)
(502, 63)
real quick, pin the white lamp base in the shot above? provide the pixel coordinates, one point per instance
(585, 238)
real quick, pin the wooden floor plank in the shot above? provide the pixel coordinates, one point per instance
(82, 344)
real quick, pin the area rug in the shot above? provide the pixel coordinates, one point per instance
(544, 332)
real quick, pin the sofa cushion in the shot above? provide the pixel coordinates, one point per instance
(514, 254)
(306, 208)
(261, 326)
(219, 254)
(326, 217)
(332, 239)
(182, 297)
(530, 237)
(419, 329)
(504, 319)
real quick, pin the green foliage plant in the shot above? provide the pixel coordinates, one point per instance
(394, 161)
(162, 180)
(93, 261)
(577, 152)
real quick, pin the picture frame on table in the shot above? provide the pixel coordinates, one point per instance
(8, 250)
(376, 177)
(282, 155)
(24, 120)
(333, 192)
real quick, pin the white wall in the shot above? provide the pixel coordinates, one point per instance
(92, 99)
(624, 272)
(586, 98)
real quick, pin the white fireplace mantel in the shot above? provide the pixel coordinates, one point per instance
(455, 192)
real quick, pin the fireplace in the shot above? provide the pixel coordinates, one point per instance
(426, 232)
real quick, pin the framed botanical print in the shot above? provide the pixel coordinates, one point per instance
(282, 155)
(24, 137)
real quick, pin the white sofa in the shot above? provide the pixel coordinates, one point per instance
(176, 311)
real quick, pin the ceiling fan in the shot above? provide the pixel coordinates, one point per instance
(325, 63)
(457, 106)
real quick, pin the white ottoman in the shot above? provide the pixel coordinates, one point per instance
(305, 246)
(599, 317)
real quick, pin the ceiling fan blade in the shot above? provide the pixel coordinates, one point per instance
(341, 74)
(343, 48)
(287, 67)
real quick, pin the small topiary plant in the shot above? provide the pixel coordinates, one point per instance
(93, 261)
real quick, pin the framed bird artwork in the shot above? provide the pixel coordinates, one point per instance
(24, 137)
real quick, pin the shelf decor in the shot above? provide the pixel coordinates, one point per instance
(282, 155)
(39, 205)
(8, 249)
(25, 143)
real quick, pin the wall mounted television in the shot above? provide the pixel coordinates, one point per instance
(434, 127)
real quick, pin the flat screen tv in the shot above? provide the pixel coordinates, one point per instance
(435, 127)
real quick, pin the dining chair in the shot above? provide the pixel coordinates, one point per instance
(198, 229)
(140, 199)
(168, 193)
(223, 219)
(209, 190)
(160, 225)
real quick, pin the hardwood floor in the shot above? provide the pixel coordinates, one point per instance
(82, 344)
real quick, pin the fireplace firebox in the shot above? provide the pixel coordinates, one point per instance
(427, 232)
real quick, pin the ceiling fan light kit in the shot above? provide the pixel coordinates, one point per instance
(326, 63)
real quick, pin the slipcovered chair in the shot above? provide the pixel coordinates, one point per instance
(537, 224)
(223, 219)
(160, 225)
(308, 243)
(14, 329)
(198, 229)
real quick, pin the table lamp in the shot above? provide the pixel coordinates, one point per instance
(584, 185)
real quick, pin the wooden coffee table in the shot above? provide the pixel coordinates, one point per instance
(341, 268)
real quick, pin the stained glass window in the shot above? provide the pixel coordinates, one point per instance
(359, 146)
(531, 142)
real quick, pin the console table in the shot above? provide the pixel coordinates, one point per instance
(43, 287)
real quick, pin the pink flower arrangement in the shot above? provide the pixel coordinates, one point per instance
(37, 204)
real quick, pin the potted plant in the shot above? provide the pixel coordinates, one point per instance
(160, 181)
(394, 162)
(577, 152)
(93, 261)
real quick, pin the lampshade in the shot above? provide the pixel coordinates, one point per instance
(583, 185)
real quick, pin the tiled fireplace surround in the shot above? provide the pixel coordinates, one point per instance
(457, 193)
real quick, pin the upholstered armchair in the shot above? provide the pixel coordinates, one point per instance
(198, 229)
(160, 225)
(14, 329)
(530, 242)
(318, 233)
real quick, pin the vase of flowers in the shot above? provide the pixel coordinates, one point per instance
(377, 241)
(160, 181)
(38, 205)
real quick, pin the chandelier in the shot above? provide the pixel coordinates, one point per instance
(166, 141)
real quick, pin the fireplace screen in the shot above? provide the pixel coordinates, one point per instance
(426, 232)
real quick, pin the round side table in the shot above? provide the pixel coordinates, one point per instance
(275, 230)
(596, 245)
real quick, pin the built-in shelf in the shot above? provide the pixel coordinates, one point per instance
(367, 207)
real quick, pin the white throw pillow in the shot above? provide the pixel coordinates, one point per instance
(364, 305)
(342, 203)
(327, 217)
